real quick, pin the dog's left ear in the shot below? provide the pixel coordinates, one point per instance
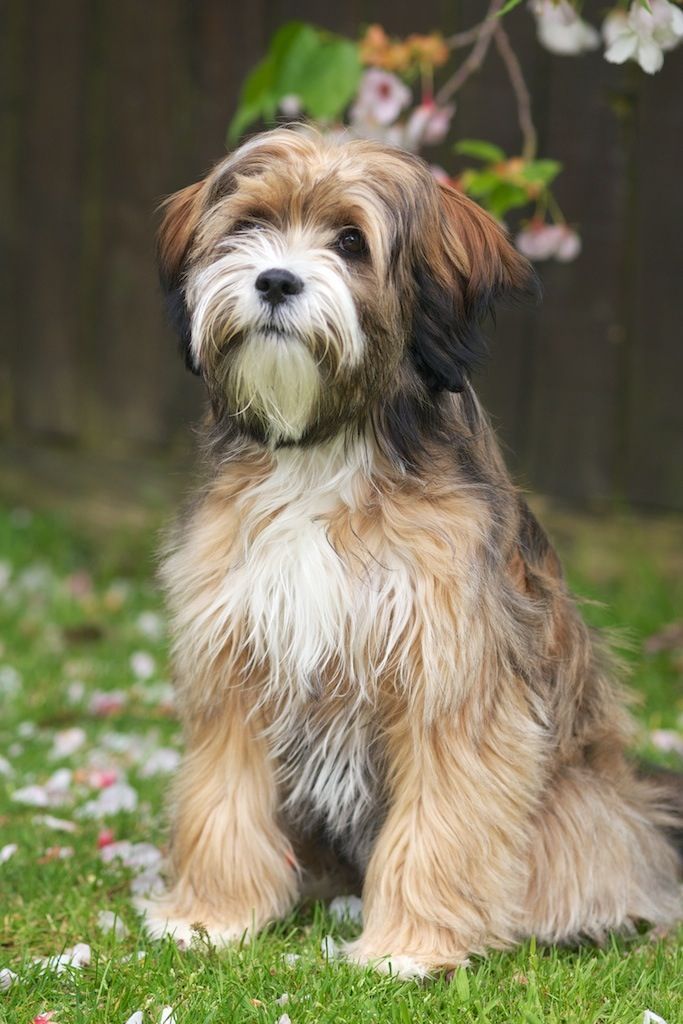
(466, 264)
(181, 213)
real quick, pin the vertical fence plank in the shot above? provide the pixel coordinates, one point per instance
(47, 387)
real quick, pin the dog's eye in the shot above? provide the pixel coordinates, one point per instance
(351, 242)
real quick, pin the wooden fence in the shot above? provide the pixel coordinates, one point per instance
(108, 105)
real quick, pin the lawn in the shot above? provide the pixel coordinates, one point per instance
(87, 736)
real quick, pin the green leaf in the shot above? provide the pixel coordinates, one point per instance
(462, 985)
(505, 197)
(480, 150)
(329, 78)
(542, 171)
(509, 6)
(481, 183)
(291, 48)
(256, 97)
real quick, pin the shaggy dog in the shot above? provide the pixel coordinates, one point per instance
(375, 649)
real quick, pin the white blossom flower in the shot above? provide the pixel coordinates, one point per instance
(561, 30)
(643, 35)
(291, 106)
(381, 98)
(135, 1018)
(541, 241)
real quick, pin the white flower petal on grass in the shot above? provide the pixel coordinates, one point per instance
(150, 625)
(139, 856)
(162, 761)
(107, 702)
(78, 956)
(7, 978)
(283, 999)
(75, 692)
(143, 665)
(67, 742)
(7, 851)
(667, 740)
(167, 1016)
(109, 921)
(58, 824)
(560, 29)
(53, 793)
(328, 948)
(347, 908)
(6, 768)
(147, 885)
(284, 1019)
(10, 681)
(135, 1018)
(652, 1018)
(112, 800)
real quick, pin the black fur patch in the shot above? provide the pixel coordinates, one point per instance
(179, 319)
(446, 345)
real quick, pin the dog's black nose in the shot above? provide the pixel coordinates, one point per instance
(277, 285)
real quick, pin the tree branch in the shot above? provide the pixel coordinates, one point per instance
(516, 76)
(483, 34)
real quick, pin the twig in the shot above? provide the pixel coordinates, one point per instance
(463, 38)
(514, 70)
(483, 35)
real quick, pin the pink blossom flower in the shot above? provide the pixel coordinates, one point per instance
(107, 702)
(541, 241)
(643, 35)
(667, 741)
(105, 838)
(381, 98)
(427, 125)
(561, 30)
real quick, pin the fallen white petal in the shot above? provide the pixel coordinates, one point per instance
(7, 851)
(119, 797)
(160, 762)
(140, 856)
(142, 665)
(167, 1015)
(6, 768)
(328, 948)
(109, 921)
(652, 1018)
(135, 1018)
(7, 978)
(283, 999)
(67, 742)
(58, 824)
(284, 1019)
(347, 908)
(150, 625)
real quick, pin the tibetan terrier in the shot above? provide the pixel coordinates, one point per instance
(376, 654)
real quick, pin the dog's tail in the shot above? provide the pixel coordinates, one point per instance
(668, 787)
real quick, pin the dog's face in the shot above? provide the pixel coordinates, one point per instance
(313, 282)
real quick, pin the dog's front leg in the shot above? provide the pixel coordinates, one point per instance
(232, 868)
(448, 872)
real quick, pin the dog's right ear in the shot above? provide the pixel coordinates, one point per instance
(181, 213)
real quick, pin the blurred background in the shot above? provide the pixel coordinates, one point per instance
(107, 106)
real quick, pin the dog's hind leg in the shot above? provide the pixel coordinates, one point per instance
(232, 868)
(601, 858)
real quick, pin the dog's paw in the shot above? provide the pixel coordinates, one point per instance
(401, 966)
(160, 919)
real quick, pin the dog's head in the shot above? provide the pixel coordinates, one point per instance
(314, 283)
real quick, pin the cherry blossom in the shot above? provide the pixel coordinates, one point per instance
(427, 125)
(643, 35)
(541, 241)
(561, 30)
(381, 98)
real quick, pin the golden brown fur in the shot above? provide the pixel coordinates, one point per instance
(374, 643)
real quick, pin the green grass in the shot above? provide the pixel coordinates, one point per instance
(58, 629)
